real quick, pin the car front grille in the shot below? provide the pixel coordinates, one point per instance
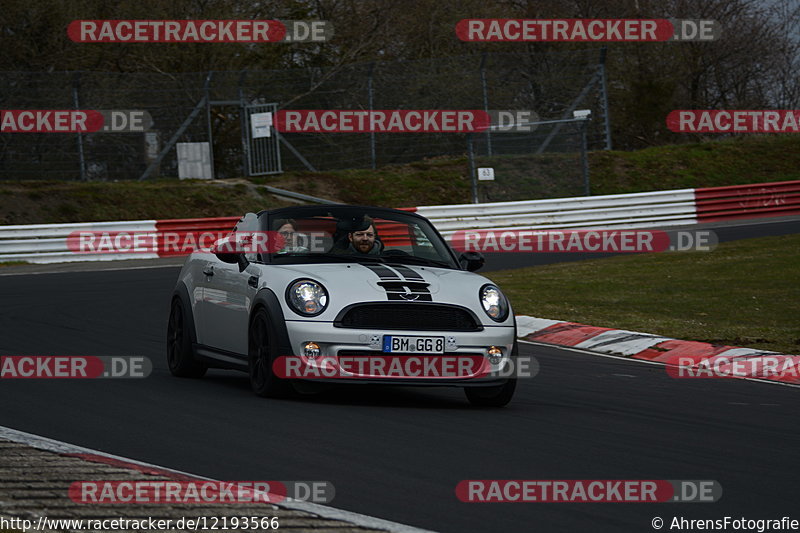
(408, 316)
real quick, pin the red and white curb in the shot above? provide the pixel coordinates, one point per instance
(95, 456)
(636, 345)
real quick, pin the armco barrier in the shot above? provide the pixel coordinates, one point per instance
(47, 243)
(190, 227)
(638, 210)
(748, 201)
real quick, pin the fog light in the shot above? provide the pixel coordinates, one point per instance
(311, 349)
(495, 354)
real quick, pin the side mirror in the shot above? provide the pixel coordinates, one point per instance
(228, 250)
(471, 261)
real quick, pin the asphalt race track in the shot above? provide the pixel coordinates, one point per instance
(398, 453)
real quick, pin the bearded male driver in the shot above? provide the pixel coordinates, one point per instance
(364, 238)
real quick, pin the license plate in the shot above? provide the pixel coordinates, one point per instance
(405, 344)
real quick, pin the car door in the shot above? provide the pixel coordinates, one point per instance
(228, 294)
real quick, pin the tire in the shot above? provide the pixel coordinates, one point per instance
(180, 359)
(494, 396)
(262, 353)
(491, 396)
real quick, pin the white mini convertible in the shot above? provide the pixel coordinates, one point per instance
(339, 283)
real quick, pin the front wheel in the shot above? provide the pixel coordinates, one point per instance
(262, 353)
(180, 358)
(495, 396)
(491, 396)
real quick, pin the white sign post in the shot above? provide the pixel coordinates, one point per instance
(260, 124)
(485, 174)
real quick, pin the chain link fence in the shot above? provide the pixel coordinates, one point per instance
(208, 107)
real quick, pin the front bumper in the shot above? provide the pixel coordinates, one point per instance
(335, 342)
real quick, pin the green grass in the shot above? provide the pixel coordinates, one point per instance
(752, 159)
(8, 264)
(436, 181)
(63, 201)
(744, 293)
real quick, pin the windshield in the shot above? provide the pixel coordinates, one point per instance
(350, 234)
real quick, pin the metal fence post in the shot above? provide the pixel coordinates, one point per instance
(208, 121)
(604, 97)
(243, 121)
(486, 103)
(371, 133)
(76, 83)
(585, 156)
(472, 176)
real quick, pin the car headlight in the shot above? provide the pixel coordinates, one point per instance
(307, 297)
(494, 303)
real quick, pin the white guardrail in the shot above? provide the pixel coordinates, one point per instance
(47, 243)
(638, 210)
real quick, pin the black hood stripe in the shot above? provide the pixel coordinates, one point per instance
(383, 272)
(401, 283)
(407, 273)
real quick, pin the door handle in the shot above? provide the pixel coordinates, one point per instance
(209, 270)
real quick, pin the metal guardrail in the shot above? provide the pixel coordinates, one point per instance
(556, 204)
(47, 243)
(748, 201)
(661, 208)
